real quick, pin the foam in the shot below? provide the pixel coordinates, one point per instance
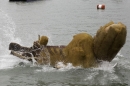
(7, 34)
(63, 67)
(8, 61)
(106, 66)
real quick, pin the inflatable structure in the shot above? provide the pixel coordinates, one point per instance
(84, 50)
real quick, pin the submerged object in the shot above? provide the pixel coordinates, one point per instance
(101, 6)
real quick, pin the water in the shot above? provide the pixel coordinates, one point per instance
(22, 22)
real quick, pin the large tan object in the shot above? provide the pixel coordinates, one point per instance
(109, 40)
(79, 51)
(83, 50)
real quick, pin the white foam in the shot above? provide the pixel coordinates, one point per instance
(119, 54)
(8, 27)
(7, 34)
(122, 61)
(8, 61)
(106, 66)
(63, 67)
(102, 74)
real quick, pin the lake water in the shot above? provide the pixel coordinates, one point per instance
(22, 22)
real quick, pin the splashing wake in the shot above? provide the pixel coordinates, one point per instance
(7, 34)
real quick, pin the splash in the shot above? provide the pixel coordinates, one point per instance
(7, 34)
(105, 73)
(62, 68)
(8, 61)
(106, 66)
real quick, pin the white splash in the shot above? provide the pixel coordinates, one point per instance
(8, 61)
(102, 74)
(61, 65)
(7, 34)
(106, 66)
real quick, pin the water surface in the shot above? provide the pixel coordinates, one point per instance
(22, 22)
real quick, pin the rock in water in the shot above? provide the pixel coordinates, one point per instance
(109, 40)
(79, 51)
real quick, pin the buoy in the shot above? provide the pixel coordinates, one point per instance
(101, 6)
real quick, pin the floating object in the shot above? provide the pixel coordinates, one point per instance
(17, 0)
(101, 6)
(21, 0)
(84, 50)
